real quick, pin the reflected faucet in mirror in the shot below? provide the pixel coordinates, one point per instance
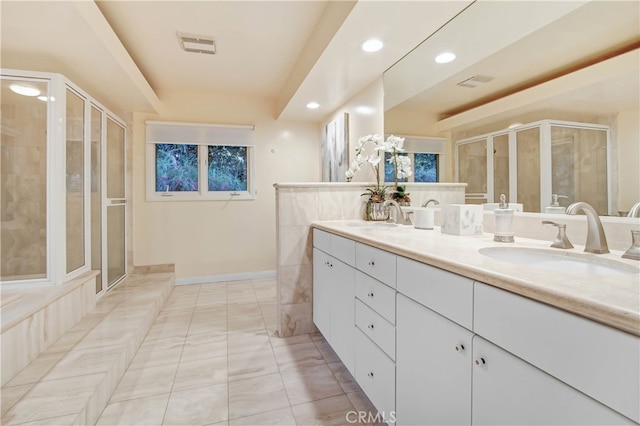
(432, 200)
(635, 210)
(596, 240)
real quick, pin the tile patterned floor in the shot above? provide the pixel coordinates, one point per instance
(211, 358)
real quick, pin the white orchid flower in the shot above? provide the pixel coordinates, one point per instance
(374, 161)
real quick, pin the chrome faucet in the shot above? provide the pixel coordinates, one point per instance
(635, 210)
(561, 240)
(596, 240)
(432, 200)
(400, 217)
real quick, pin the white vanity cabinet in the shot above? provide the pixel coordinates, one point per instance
(433, 355)
(433, 368)
(567, 357)
(375, 307)
(334, 293)
(432, 347)
(510, 391)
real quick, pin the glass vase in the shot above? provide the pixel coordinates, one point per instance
(377, 211)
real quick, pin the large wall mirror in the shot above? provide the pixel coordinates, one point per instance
(526, 62)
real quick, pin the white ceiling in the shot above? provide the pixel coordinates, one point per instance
(126, 53)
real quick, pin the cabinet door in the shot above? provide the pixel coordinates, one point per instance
(322, 292)
(510, 391)
(341, 299)
(433, 368)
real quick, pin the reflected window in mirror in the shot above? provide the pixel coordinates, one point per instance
(424, 166)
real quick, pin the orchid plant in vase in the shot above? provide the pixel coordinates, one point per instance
(401, 167)
(378, 194)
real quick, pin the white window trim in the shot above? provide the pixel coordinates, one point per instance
(203, 135)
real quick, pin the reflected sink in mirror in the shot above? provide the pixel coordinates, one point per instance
(559, 261)
(372, 224)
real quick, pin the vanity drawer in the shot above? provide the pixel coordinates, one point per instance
(322, 240)
(596, 359)
(339, 247)
(444, 292)
(377, 263)
(378, 329)
(376, 374)
(378, 296)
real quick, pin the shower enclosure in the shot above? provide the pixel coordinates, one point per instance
(62, 191)
(531, 162)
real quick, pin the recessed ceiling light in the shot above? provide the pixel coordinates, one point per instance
(313, 105)
(372, 45)
(445, 57)
(24, 90)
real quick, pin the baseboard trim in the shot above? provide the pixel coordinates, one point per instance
(226, 277)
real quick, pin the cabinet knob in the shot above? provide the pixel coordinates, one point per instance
(480, 361)
(459, 348)
(370, 374)
(370, 294)
(372, 263)
(370, 326)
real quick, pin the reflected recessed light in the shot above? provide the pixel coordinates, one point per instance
(24, 90)
(364, 110)
(514, 125)
(44, 98)
(372, 45)
(445, 57)
(313, 105)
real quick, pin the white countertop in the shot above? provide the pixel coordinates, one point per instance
(611, 300)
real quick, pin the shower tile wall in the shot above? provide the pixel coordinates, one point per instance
(23, 194)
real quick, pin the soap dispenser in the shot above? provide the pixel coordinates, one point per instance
(504, 222)
(555, 207)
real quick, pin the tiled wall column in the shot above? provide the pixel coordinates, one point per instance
(299, 204)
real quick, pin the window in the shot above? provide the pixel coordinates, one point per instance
(425, 156)
(199, 162)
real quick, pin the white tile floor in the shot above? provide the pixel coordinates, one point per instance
(211, 358)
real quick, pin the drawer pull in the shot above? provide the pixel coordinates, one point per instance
(370, 294)
(370, 374)
(459, 348)
(480, 361)
(372, 263)
(370, 326)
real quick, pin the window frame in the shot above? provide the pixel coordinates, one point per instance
(203, 136)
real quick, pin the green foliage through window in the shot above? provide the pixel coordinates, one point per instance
(426, 167)
(176, 167)
(227, 169)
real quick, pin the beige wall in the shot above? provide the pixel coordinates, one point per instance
(208, 238)
(628, 130)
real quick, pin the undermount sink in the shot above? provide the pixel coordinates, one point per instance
(560, 261)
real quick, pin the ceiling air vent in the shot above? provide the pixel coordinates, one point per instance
(475, 81)
(197, 43)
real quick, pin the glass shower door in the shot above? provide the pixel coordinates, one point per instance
(579, 166)
(472, 169)
(23, 180)
(116, 202)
